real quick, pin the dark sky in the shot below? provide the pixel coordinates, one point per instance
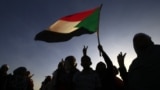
(21, 20)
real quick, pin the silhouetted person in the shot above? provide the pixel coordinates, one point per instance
(144, 71)
(63, 77)
(30, 83)
(57, 82)
(18, 80)
(45, 83)
(87, 79)
(108, 75)
(3, 76)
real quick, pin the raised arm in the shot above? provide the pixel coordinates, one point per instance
(122, 68)
(85, 50)
(106, 57)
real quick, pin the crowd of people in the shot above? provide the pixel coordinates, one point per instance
(143, 73)
(68, 77)
(21, 79)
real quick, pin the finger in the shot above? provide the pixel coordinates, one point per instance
(120, 53)
(124, 54)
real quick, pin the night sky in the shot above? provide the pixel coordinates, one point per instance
(21, 20)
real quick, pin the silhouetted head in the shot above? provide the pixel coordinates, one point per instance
(101, 66)
(22, 71)
(86, 61)
(47, 80)
(70, 63)
(141, 41)
(4, 68)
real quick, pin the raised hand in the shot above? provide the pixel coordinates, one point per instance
(120, 59)
(85, 50)
(100, 48)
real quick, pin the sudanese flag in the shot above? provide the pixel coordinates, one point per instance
(85, 22)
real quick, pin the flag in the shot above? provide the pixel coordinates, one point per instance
(85, 22)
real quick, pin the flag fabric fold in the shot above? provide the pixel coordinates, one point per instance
(85, 22)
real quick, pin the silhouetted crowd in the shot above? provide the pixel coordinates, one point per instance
(20, 80)
(143, 73)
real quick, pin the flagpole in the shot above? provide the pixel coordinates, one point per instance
(98, 29)
(98, 40)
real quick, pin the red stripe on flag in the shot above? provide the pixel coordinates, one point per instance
(78, 16)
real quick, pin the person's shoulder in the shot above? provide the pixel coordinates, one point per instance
(156, 47)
